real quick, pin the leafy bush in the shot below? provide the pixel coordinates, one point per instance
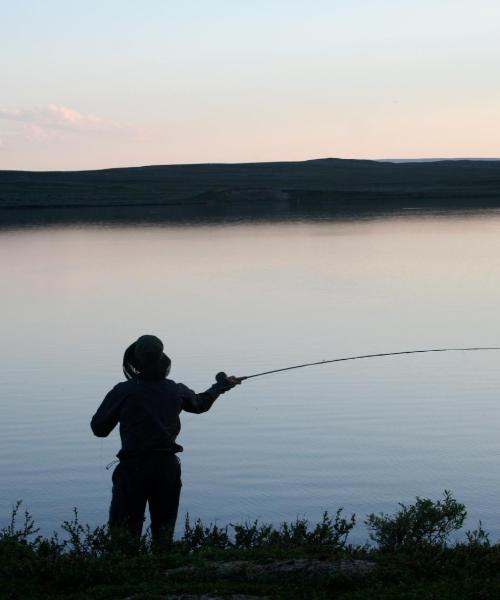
(331, 532)
(83, 541)
(13, 533)
(199, 536)
(425, 523)
(478, 538)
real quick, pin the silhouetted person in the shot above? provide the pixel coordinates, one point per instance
(147, 406)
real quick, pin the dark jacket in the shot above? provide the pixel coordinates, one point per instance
(148, 412)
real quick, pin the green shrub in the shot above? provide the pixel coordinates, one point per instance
(199, 535)
(425, 523)
(478, 538)
(331, 532)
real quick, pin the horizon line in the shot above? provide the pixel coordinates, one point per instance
(379, 160)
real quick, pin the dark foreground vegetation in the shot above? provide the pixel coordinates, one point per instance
(410, 555)
(252, 189)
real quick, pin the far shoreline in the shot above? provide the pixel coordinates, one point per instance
(326, 188)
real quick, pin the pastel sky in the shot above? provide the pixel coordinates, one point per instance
(106, 83)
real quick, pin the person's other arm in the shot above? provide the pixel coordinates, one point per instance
(199, 403)
(107, 415)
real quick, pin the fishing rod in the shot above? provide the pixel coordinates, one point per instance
(221, 377)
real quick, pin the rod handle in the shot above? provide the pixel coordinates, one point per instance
(221, 377)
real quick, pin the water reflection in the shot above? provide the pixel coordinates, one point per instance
(248, 297)
(223, 213)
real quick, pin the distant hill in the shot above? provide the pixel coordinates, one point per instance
(414, 160)
(339, 183)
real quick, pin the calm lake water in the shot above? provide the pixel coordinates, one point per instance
(247, 297)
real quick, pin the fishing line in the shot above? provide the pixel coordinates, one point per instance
(221, 377)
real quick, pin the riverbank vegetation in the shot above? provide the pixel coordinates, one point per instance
(410, 554)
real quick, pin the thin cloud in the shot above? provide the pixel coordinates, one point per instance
(44, 121)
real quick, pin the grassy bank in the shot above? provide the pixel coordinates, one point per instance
(409, 555)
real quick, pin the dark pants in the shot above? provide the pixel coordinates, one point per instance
(154, 479)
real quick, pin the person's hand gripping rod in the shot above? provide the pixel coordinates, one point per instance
(228, 381)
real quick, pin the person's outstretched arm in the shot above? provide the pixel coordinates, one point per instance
(199, 403)
(107, 415)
